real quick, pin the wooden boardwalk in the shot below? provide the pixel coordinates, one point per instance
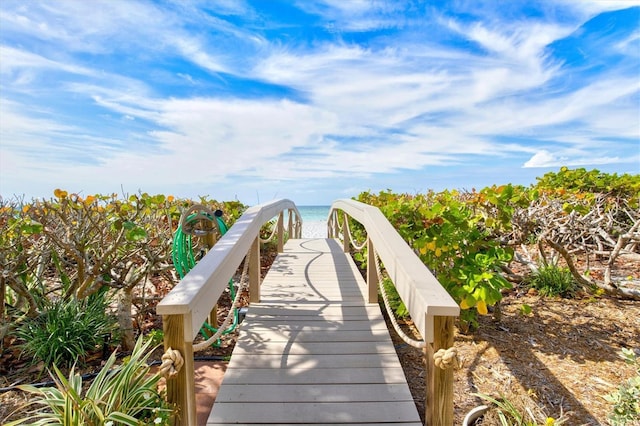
(312, 351)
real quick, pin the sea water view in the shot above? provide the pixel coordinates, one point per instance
(314, 221)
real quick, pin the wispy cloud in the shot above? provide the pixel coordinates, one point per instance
(312, 96)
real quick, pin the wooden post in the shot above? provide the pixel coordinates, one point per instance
(254, 271)
(181, 389)
(280, 232)
(335, 224)
(290, 225)
(346, 242)
(213, 317)
(439, 382)
(372, 272)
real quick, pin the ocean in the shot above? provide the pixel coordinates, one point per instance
(314, 213)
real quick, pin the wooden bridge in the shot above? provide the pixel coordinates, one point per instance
(314, 347)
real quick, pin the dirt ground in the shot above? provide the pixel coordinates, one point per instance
(559, 360)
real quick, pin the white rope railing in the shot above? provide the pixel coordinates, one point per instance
(273, 234)
(443, 358)
(338, 224)
(358, 247)
(243, 285)
(420, 344)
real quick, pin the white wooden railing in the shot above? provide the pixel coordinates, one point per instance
(431, 308)
(190, 303)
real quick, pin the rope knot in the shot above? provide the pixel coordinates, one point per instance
(446, 358)
(171, 363)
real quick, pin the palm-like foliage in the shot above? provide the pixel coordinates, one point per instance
(123, 395)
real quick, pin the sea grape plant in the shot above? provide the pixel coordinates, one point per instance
(72, 246)
(453, 240)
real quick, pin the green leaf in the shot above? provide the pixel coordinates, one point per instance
(31, 227)
(136, 234)
(128, 225)
(525, 309)
(122, 418)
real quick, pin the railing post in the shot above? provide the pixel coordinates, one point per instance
(336, 229)
(346, 241)
(439, 382)
(372, 272)
(281, 232)
(254, 271)
(290, 225)
(181, 389)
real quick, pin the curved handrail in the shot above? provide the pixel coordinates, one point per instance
(201, 288)
(420, 291)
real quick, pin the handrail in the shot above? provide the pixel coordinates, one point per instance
(431, 308)
(190, 302)
(421, 292)
(209, 277)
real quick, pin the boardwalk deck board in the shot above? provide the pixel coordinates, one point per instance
(312, 351)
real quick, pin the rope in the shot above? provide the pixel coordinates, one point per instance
(351, 239)
(172, 362)
(446, 358)
(273, 234)
(420, 344)
(230, 315)
(293, 222)
(337, 223)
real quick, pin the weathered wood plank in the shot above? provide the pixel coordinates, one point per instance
(315, 308)
(312, 412)
(331, 424)
(315, 393)
(312, 324)
(314, 361)
(303, 335)
(300, 376)
(318, 348)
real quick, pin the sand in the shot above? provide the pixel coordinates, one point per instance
(314, 229)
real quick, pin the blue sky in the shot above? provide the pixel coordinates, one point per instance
(312, 100)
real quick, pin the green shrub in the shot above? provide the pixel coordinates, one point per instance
(552, 280)
(395, 302)
(124, 395)
(156, 337)
(626, 400)
(67, 330)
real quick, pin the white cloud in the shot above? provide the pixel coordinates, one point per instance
(593, 7)
(15, 59)
(544, 159)
(547, 159)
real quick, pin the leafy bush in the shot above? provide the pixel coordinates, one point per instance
(590, 181)
(124, 395)
(70, 246)
(455, 236)
(553, 280)
(395, 302)
(626, 400)
(67, 330)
